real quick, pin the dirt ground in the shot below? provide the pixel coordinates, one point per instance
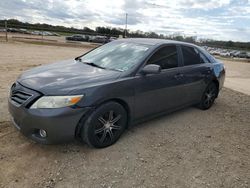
(238, 76)
(188, 148)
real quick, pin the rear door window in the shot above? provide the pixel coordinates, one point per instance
(192, 56)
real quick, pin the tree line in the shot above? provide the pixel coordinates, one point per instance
(111, 31)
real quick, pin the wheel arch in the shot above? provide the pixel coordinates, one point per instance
(216, 82)
(122, 102)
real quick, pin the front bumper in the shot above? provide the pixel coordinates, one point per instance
(60, 124)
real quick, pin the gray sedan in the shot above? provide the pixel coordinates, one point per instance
(96, 96)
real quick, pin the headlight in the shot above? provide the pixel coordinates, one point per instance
(56, 101)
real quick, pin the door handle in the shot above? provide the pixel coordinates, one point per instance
(178, 76)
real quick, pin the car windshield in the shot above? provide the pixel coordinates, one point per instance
(120, 56)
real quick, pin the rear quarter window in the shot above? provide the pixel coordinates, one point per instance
(192, 56)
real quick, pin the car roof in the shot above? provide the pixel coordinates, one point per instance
(156, 42)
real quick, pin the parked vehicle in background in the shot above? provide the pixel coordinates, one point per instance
(224, 53)
(243, 55)
(44, 33)
(227, 52)
(100, 39)
(248, 55)
(23, 31)
(12, 30)
(112, 39)
(91, 38)
(36, 33)
(96, 96)
(235, 54)
(215, 52)
(49, 33)
(77, 38)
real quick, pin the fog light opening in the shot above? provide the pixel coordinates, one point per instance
(42, 133)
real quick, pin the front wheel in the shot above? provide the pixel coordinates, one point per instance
(105, 125)
(208, 96)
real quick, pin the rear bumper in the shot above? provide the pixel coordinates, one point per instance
(60, 124)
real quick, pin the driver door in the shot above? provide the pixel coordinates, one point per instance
(155, 93)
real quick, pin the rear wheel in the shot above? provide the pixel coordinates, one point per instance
(209, 96)
(105, 125)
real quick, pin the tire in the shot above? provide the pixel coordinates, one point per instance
(208, 96)
(105, 125)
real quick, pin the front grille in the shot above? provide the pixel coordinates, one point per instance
(19, 97)
(22, 96)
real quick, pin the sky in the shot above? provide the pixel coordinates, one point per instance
(210, 19)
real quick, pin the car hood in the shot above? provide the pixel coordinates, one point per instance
(61, 77)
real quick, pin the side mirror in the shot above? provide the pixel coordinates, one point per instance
(151, 69)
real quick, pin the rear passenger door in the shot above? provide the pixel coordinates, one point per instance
(196, 70)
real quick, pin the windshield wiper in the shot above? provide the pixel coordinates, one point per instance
(78, 58)
(94, 65)
(98, 66)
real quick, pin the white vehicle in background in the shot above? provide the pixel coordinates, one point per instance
(215, 52)
(37, 33)
(44, 33)
(225, 53)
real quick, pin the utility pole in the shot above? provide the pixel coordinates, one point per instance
(6, 32)
(126, 23)
(42, 36)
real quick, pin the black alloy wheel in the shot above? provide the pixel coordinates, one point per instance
(105, 125)
(209, 96)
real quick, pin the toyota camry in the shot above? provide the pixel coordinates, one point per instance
(99, 94)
